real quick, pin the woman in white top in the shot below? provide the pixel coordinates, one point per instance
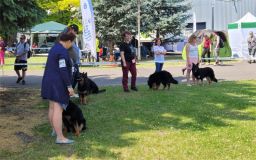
(192, 56)
(159, 53)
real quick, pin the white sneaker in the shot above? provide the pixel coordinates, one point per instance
(75, 96)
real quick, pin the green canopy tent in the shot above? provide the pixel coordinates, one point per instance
(48, 28)
(238, 33)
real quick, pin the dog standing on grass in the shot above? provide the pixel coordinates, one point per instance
(73, 119)
(201, 73)
(164, 77)
(85, 87)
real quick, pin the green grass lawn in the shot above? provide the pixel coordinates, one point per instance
(200, 122)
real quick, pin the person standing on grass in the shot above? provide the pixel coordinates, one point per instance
(192, 56)
(57, 83)
(128, 62)
(21, 52)
(2, 51)
(159, 53)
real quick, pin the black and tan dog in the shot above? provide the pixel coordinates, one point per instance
(85, 87)
(73, 119)
(164, 77)
(201, 73)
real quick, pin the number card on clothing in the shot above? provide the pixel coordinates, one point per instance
(62, 63)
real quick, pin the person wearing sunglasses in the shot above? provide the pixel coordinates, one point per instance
(21, 52)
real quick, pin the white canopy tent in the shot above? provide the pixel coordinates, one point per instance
(238, 33)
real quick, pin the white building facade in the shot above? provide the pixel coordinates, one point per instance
(221, 11)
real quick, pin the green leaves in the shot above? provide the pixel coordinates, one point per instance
(165, 16)
(62, 11)
(16, 15)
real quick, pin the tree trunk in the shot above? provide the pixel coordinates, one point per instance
(111, 48)
(158, 33)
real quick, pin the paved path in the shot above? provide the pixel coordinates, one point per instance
(112, 75)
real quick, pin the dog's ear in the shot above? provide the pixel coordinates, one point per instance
(193, 64)
(85, 74)
(197, 64)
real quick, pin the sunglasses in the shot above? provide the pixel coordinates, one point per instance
(22, 38)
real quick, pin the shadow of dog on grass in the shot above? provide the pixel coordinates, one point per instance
(164, 77)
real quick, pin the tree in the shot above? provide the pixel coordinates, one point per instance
(162, 16)
(114, 16)
(18, 15)
(62, 11)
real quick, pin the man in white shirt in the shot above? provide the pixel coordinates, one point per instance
(21, 52)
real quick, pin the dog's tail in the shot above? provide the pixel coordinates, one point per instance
(102, 90)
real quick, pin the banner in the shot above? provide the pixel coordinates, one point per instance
(89, 35)
(194, 21)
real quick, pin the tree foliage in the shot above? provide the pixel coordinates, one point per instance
(62, 11)
(164, 16)
(161, 16)
(18, 15)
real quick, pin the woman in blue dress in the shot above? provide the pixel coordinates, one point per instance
(57, 83)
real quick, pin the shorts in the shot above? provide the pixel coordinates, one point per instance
(191, 61)
(64, 106)
(22, 67)
(217, 52)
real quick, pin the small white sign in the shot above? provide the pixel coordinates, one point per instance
(62, 63)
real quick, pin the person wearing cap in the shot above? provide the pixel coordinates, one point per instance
(251, 45)
(21, 52)
(74, 53)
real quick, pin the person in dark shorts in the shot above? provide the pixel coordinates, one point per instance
(21, 52)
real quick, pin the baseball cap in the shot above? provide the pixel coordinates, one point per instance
(74, 27)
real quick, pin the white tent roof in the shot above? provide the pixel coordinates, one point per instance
(247, 18)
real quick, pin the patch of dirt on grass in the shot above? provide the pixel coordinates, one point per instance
(19, 114)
